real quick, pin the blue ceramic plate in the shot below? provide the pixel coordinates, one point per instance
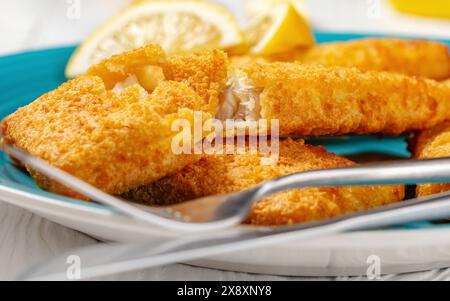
(26, 76)
(409, 248)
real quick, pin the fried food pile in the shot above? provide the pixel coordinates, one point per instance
(113, 126)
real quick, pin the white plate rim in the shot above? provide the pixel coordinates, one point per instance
(404, 250)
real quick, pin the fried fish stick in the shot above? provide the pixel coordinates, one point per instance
(114, 135)
(317, 100)
(412, 57)
(218, 174)
(433, 143)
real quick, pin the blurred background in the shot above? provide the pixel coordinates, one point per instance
(31, 24)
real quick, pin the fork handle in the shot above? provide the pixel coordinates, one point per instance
(397, 172)
(125, 258)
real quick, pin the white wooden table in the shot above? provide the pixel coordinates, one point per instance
(26, 239)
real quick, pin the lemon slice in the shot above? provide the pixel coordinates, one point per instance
(279, 29)
(178, 26)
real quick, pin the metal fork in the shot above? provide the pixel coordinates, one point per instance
(106, 259)
(223, 211)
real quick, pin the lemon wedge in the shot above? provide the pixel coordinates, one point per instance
(279, 29)
(179, 26)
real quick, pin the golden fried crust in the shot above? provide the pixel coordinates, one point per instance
(412, 57)
(219, 174)
(319, 100)
(118, 139)
(433, 143)
(237, 62)
(114, 141)
(118, 67)
(205, 72)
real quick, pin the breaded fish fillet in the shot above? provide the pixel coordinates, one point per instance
(411, 57)
(106, 129)
(432, 143)
(318, 100)
(217, 174)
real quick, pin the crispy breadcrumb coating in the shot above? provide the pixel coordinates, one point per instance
(318, 100)
(217, 174)
(237, 62)
(412, 57)
(118, 67)
(433, 143)
(115, 139)
(204, 72)
(420, 58)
